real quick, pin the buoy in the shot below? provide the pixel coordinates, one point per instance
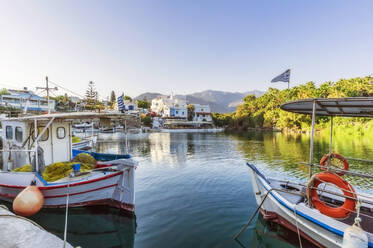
(336, 212)
(325, 158)
(354, 237)
(29, 201)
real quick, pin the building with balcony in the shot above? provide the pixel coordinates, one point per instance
(21, 99)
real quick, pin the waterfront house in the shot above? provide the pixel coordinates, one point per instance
(202, 113)
(130, 105)
(170, 107)
(21, 99)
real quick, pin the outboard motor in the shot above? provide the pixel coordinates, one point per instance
(41, 160)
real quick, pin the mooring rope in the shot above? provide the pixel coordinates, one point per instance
(66, 212)
(296, 224)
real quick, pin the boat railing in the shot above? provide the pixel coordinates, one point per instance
(359, 197)
(336, 170)
(15, 150)
(360, 160)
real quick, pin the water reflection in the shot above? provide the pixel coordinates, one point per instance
(269, 234)
(194, 190)
(172, 149)
(282, 153)
(91, 226)
(169, 148)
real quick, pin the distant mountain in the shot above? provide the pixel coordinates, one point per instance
(219, 101)
(148, 96)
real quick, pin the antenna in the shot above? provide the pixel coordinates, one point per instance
(47, 89)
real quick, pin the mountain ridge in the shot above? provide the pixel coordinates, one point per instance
(219, 101)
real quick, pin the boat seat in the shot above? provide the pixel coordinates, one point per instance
(293, 198)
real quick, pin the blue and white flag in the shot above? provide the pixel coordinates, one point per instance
(121, 105)
(284, 77)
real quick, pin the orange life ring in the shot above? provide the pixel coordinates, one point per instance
(334, 155)
(348, 191)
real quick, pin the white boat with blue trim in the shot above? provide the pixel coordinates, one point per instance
(46, 139)
(326, 215)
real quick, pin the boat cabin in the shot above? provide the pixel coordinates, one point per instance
(48, 134)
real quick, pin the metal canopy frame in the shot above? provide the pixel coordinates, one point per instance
(343, 107)
(347, 107)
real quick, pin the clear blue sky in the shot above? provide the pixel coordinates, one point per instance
(183, 46)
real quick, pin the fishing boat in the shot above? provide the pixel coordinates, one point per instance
(327, 210)
(85, 143)
(46, 139)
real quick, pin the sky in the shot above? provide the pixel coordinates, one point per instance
(182, 46)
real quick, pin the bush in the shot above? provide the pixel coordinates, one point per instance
(146, 120)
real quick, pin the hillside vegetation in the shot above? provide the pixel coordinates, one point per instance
(264, 111)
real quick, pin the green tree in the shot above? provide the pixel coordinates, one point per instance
(143, 104)
(146, 120)
(91, 94)
(112, 97)
(128, 98)
(265, 112)
(191, 113)
(4, 91)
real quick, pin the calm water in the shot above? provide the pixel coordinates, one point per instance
(193, 190)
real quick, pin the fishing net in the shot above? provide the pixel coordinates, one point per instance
(60, 170)
(24, 168)
(75, 139)
(85, 158)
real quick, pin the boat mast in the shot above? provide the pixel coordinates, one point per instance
(47, 89)
(36, 145)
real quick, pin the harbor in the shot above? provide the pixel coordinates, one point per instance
(210, 198)
(186, 124)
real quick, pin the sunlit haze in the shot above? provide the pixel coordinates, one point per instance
(182, 46)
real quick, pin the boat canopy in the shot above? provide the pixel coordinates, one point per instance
(349, 106)
(73, 116)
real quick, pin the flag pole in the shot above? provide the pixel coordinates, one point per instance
(289, 79)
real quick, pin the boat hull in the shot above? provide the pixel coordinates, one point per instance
(319, 229)
(111, 188)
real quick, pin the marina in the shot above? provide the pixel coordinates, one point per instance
(208, 176)
(210, 198)
(186, 124)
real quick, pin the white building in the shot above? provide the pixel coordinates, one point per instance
(22, 99)
(202, 113)
(170, 107)
(130, 105)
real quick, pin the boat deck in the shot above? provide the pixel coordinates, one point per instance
(366, 212)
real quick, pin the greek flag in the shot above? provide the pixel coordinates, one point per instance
(284, 77)
(121, 105)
